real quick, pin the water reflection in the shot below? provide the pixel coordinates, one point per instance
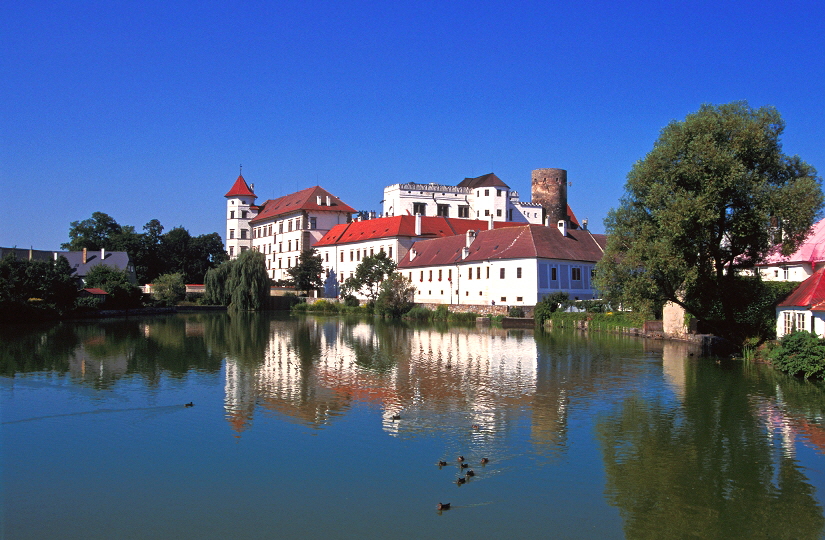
(681, 446)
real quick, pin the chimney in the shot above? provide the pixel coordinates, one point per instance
(84, 256)
(562, 224)
(490, 224)
(584, 224)
(102, 254)
(471, 236)
(465, 252)
(372, 214)
(418, 224)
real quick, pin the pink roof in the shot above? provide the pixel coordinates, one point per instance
(306, 199)
(525, 241)
(810, 292)
(239, 188)
(811, 251)
(394, 226)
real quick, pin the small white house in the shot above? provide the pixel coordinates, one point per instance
(799, 265)
(804, 308)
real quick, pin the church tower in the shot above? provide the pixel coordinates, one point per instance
(240, 208)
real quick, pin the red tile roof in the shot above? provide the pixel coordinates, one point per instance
(94, 290)
(810, 292)
(525, 241)
(306, 199)
(387, 227)
(239, 188)
(486, 180)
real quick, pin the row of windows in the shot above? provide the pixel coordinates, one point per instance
(232, 250)
(268, 248)
(440, 273)
(480, 293)
(232, 214)
(243, 234)
(355, 254)
(291, 224)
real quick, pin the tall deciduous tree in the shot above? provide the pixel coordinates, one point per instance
(710, 199)
(369, 274)
(307, 271)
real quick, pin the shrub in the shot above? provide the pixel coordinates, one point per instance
(800, 352)
(351, 301)
(419, 313)
(441, 313)
(515, 311)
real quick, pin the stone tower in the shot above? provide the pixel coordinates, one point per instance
(549, 189)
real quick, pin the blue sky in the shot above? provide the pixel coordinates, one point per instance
(146, 109)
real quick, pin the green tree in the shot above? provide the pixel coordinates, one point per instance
(94, 233)
(35, 285)
(307, 271)
(395, 296)
(710, 199)
(242, 283)
(369, 275)
(169, 289)
(123, 294)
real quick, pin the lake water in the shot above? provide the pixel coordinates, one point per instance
(291, 434)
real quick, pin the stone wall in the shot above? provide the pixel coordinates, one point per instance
(481, 309)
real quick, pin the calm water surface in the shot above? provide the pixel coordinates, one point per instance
(292, 434)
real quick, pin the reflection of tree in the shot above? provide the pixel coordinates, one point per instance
(242, 336)
(388, 342)
(704, 469)
(36, 348)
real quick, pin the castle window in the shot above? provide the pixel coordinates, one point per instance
(312, 223)
(518, 272)
(576, 273)
(342, 256)
(443, 210)
(231, 251)
(370, 252)
(486, 212)
(351, 255)
(499, 193)
(243, 233)
(326, 256)
(243, 214)
(289, 226)
(231, 214)
(281, 228)
(419, 208)
(231, 234)
(498, 213)
(501, 273)
(464, 211)
(486, 192)
(478, 272)
(389, 253)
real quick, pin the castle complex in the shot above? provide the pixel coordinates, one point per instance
(414, 214)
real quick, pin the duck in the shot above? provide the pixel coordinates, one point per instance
(190, 404)
(460, 458)
(464, 465)
(442, 463)
(484, 461)
(443, 506)
(476, 426)
(470, 473)
(396, 417)
(460, 480)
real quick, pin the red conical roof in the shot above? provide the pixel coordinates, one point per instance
(239, 188)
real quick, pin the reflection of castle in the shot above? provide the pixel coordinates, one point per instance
(314, 372)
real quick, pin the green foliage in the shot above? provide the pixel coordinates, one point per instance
(702, 205)
(306, 274)
(50, 281)
(419, 313)
(369, 275)
(123, 294)
(441, 313)
(169, 289)
(351, 301)
(515, 311)
(152, 253)
(802, 353)
(549, 305)
(395, 294)
(242, 283)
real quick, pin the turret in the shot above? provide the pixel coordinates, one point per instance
(240, 208)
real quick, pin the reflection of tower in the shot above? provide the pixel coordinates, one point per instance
(239, 396)
(549, 189)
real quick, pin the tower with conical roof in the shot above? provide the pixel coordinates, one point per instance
(240, 208)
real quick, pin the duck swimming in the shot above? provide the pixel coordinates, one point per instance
(464, 465)
(460, 480)
(190, 404)
(484, 461)
(442, 463)
(396, 417)
(460, 458)
(470, 473)
(443, 506)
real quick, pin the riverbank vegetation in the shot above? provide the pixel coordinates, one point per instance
(241, 284)
(800, 353)
(710, 200)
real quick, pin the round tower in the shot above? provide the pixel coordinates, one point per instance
(240, 208)
(549, 189)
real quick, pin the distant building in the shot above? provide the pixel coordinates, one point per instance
(804, 308)
(510, 266)
(799, 265)
(344, 246)
(81, 261)
(485, 197)
(280, 228)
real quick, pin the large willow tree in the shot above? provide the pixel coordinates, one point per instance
(711, 198)
(241, 283)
